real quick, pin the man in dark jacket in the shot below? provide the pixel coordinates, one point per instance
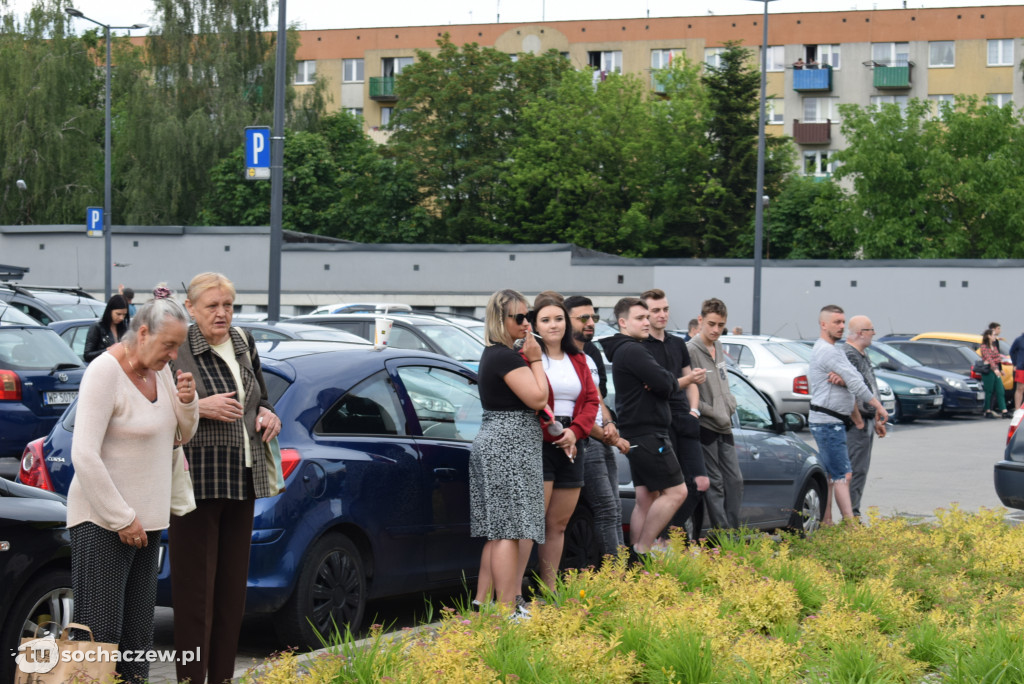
(642, 390)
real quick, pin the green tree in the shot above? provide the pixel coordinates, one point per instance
(807, 221)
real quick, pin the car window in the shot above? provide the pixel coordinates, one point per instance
(925, 354)
(85, 308)
(900, 357)
(455, 342)
(276, 385)
(751, 408)
(403, 338)
(784, 352)
(34, 349)
(14, 316)
(370, 408)
(261, 335)
(739, 353)
(37, 313)
(447, 404)
(75, 338)
(329, 335)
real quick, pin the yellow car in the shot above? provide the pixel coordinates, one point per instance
(974, 341)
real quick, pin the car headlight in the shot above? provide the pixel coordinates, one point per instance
(431, 403)
(957, 383)
(919, 390)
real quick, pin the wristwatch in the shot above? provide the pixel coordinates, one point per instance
(695, 411)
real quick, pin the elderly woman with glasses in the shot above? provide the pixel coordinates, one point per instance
(506, 479)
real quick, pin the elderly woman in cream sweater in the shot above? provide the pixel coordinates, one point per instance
(130, 408)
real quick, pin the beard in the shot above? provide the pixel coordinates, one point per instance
(581, 336)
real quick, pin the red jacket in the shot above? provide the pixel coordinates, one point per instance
(584, 413)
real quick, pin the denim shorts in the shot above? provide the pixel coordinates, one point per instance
(831, 440)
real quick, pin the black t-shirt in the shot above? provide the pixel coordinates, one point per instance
(496, 362)
(673, 355)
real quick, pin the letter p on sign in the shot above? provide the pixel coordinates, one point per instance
(257, 153)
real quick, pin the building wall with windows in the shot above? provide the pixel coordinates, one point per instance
(871, 56)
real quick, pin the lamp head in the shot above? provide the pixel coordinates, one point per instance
(73, 12)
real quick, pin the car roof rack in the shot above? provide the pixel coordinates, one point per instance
(26, 290)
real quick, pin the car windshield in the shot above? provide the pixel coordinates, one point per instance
(12, 316)
(35, 349)
(84, 308)
(895, 354)
(787, 352)
(456, 342)
(319, 334)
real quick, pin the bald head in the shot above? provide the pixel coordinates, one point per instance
(860, 332)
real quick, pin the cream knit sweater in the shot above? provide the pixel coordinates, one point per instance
(122, 447)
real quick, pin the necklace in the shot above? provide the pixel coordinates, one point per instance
(141, 377)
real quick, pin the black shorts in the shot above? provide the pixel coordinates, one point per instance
(653, 462)
(686, 442)
(558, 469)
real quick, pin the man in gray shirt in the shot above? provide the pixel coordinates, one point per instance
(834, 407)
(859, 440)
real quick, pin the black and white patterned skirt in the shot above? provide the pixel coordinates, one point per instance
(506, 477)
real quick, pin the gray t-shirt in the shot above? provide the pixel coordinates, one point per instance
(826, 358)
(863, 364)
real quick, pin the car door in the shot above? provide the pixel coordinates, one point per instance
(445, 404)
(770, 464)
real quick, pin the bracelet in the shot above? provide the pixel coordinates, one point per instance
(534, 361)
(610, 422)
(697, 411)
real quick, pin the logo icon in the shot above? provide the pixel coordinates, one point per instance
(38, 655)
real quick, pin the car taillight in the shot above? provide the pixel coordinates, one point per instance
(34, 472)
(800, 385)
(1014, 424)
(289, 459)
(10, 386)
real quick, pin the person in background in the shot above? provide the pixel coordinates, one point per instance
(1017, 356)
(691, 329)
(129, 295)
(996, 328)
(210, 545)
(130, 407)
(993, 382)
(107, 331)
(506, 475)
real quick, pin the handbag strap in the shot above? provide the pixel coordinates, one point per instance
(75, 625)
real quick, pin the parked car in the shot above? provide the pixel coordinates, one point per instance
(10, 315)
(914, 398)
(974, 342)
(271, 331)
(35, 571)
(955, 358)
(959, 394)
(360, 307)
(776, 366)
(48, 304)
(1009, 472)
(74, 332)
(410, 331)
(39, 377)
(375, 451)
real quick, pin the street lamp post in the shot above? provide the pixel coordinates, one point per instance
(107, 251)
(759, 204)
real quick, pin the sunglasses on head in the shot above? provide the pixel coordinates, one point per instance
(519, 318)
(587, 317)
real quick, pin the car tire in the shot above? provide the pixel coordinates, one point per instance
(582, 548)
(809, 508)
(898, 416)
(48, 595)
(329, 595)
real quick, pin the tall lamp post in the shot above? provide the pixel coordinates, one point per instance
(107, 258)
(759, 204)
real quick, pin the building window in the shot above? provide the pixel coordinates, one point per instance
(608, 62)
(776, 58)
(392, 66)
(305, 72)
(514, 56)
(1000, 99)
(899, 100)
(385, 115)
(662, 59)
(713, 57)
(941, 53)
(352, 70)
(890, 54)
(1000, 52)
(828, 55)
(817, 163)
(938, 102)
(776, 111)
(354, 111)
(817, 109)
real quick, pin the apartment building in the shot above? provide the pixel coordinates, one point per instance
(816, 61)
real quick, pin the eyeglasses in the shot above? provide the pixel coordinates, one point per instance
(587, 317)
(867, 330)
(519, 318)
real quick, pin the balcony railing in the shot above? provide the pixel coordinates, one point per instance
(812, 133)
(805, 80)
(382, 88)
(892, 77)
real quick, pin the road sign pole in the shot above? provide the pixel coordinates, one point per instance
(277, 168)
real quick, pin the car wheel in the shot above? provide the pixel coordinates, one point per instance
(582, 548)
(898, 415)
(46, 599)
(329, 596)
(809, 508)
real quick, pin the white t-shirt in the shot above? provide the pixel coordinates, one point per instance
(597, 383)
(564, 383)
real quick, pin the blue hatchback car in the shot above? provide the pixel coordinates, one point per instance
(375, 449)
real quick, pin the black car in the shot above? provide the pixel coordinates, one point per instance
(1009, 473)
(48, 304)
(35, 567)
(960, 395)
(956, 358)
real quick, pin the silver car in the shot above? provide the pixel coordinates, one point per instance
(776, 366)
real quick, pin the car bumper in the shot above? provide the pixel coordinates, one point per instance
(964, 401)
(920, 405)
(1009, 482)
(19, 426)
(794, 404)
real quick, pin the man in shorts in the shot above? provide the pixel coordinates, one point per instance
(643, 388)
(834, 407)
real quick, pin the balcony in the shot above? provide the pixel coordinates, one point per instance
(382, 88)
(812, 133)
(811, 80)
(892, 77)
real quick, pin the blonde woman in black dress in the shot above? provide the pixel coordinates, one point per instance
(506, 479)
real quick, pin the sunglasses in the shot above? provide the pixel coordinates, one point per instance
(587, 317)
(519, 318)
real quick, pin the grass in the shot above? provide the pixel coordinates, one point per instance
(892, 601)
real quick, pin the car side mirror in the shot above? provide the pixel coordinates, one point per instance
(794, 421)
(888, 365)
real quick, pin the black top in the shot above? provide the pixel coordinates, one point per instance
(642, 386)
(99, 338)
(673, 356)
(591, 350)
(496, 362)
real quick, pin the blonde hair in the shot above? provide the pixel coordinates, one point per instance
(498, 307)
(205, 281)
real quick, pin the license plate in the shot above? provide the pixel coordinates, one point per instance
(937, 401)
(59, 398)
(981, 396)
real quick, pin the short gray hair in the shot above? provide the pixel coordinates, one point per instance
(153, 314)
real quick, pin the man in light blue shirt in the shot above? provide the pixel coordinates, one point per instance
(834, 407)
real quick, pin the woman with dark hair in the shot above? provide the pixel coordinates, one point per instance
(506, 485)
(108, 330)
(573, 401)
(993, 380)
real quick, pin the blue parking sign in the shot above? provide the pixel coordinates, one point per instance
(94, 221)
(257, 153)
